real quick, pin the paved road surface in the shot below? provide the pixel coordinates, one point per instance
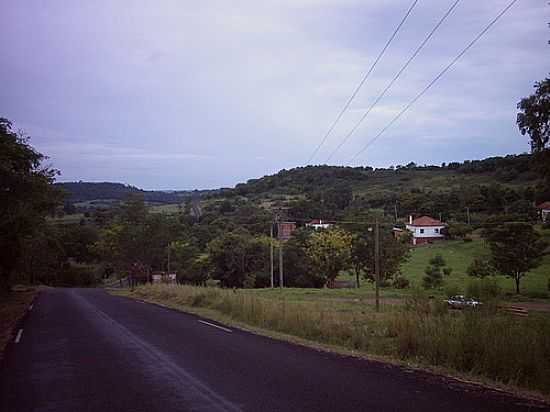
(84, 350)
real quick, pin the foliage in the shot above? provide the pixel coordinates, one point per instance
(27, 196)
(480, 268)
(235, 256)
(329, 252)
(484, 289)
(534, 116)
(516, 248)
(459, 230)
(400, 282)
(434, 273)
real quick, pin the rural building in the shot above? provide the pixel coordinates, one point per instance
(285, 229)
(544, 211)
(319, 224)
(425, 229)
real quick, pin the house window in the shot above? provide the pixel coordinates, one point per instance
(421, 231)
(436, 230)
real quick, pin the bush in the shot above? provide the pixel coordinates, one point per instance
(401, 282)
(433, 278)
(483, 289)
(480, 268)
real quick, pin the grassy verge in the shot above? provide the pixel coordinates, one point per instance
(483, 344)
(12, 308)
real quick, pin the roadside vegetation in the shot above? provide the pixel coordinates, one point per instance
(482, 343)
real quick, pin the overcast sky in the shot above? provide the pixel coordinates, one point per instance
(202, 94)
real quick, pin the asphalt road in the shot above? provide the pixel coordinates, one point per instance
(85, 350)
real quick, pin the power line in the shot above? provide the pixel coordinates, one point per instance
(399, 73)
(445, 70)
(346, 105)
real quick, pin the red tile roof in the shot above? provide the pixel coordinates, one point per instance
(427, 221)
(544, 205)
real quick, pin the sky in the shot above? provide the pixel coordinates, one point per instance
(206, 94)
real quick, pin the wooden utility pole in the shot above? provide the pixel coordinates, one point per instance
(377, 263)
(271, 254)
(169, 250)
(281, 283)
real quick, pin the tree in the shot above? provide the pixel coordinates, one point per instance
(27, 196)
(459, 230)
(480, 268)
(329, 252)
(534, 116)
(516, 248)
(393, 252)
(234, 255)
(434, 273)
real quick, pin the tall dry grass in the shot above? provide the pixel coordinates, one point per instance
(482, 342)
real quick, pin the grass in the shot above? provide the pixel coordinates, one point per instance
(169, 209)
(459, 255)
(484, 344)
(12, 308)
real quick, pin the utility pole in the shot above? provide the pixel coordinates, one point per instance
(271, 253)
(395, 210)
(281, 284)
(169, 250)
(377, 263)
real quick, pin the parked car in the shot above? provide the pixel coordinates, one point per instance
(461, 302)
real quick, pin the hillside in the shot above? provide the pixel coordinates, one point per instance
(78, 192)
(490, 186)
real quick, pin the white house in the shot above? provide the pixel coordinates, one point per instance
(319, 224)
(425, 229)
(544, 210)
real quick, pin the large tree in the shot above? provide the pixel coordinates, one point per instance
(27, 196)
(516, 248)
(236, 256)
(534, 119)
(534, 116)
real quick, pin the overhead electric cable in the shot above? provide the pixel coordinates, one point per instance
(365, 77)
(399, 73)
(445, 70)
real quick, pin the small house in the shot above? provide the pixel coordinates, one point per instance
(425, 229)
(544, 211)
(318, 224)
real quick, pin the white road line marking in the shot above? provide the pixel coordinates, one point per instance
(215, 326)
(30, 307)
(18, 337)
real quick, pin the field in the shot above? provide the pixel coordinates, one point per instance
(459, 255)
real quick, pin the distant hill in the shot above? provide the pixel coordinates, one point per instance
(88, 191)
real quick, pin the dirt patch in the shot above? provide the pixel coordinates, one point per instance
(12, 308)
(538, 306)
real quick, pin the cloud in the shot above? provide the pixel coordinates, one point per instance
(228, 91)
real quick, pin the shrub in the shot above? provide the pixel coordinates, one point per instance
(437, 261)
(484, 289)
(433, 278)
(480, 268)
(401, 282)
